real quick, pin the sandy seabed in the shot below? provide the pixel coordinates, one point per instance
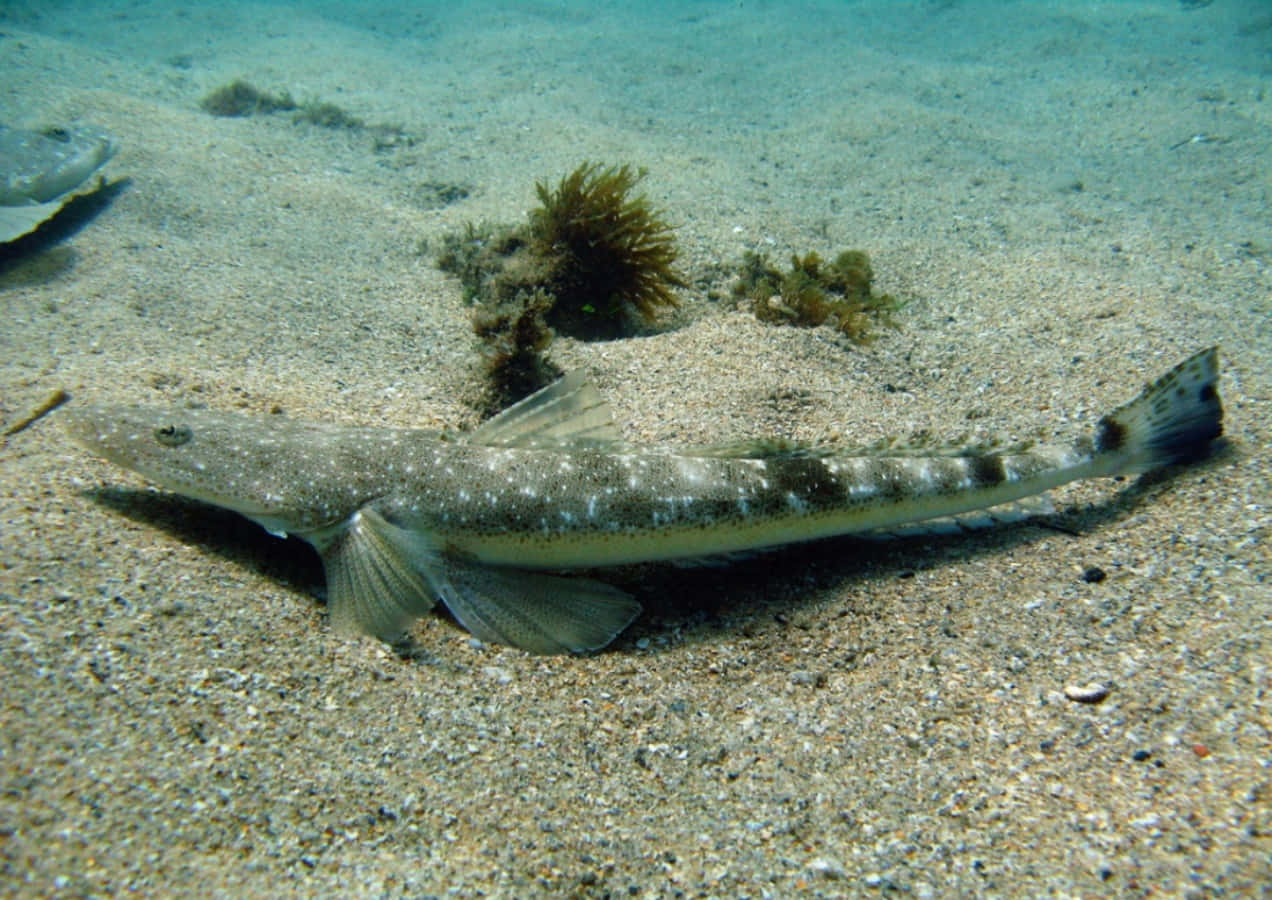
(1070, 200)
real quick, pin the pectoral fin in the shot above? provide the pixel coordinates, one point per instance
(381, 576)
(374, 586)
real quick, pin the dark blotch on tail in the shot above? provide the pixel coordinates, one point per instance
(986, 471)
(1174, 420)
(1110, 436)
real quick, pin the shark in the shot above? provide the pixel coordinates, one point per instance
(510, 524)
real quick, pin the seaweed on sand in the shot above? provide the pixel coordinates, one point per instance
(593, 261)
(239, 98)
(813, 292)
(609, 256)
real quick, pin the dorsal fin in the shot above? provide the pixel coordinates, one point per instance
(567, 412)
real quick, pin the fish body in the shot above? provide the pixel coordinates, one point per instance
(487, 521)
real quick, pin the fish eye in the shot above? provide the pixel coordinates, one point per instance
(173, 435)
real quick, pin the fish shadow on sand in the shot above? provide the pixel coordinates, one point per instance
(700, 604)
(236, 539)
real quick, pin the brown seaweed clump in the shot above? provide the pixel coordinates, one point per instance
(593, 261)
(516, 338)
(814, 292)
(609, 257)
(327, 115)
(240, 98)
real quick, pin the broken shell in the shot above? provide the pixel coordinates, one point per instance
(1093, 692)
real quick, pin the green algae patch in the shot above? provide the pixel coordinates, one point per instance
(240, 99)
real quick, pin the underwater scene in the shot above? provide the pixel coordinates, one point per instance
(609, 449)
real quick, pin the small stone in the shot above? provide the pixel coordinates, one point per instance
(1094, 575)
(1093, 692)
(497, 674)
(803, 676)
(826, 868)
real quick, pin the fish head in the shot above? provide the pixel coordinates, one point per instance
(219, 458)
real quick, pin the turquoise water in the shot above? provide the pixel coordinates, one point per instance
(819, 106)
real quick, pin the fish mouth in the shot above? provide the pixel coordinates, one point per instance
(88, 426)
(80, 425)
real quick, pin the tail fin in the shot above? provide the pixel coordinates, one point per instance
(1173, 420)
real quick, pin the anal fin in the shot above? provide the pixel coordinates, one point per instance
(537, 612)
(974, 520)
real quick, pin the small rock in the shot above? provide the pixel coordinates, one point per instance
(826, 868)
(498, 674)
(803, 676)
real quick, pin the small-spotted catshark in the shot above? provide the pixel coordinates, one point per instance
(489, 521)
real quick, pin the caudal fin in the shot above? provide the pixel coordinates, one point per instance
(1173, 420)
